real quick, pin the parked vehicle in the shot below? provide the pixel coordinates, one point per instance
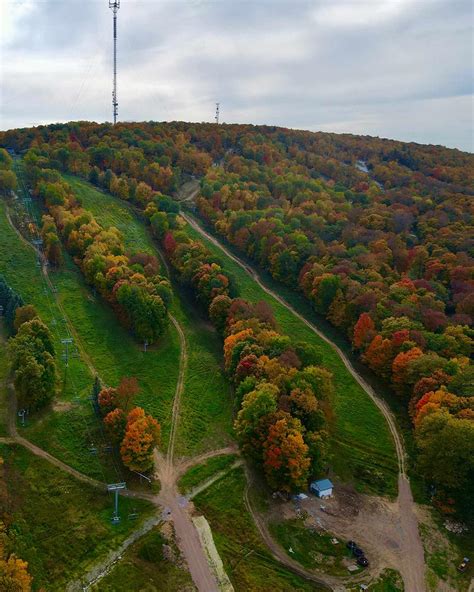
(462, 567)
(351, 545)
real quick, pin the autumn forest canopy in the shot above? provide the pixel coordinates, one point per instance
(375, 234)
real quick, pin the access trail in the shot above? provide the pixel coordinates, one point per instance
(413, 565)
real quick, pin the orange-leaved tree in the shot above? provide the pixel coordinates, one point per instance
(285, 454)
(142, 434)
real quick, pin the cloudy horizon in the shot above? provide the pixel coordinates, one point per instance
(400, 69)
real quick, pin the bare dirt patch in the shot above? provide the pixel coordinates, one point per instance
(62, 406)
(372, 522)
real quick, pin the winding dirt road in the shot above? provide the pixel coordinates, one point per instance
(413, 564)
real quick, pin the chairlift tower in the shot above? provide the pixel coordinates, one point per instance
(115, 5)
(116, 487)
(67, 342)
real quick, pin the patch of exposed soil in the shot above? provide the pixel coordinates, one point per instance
(62, 406)
(372, 522)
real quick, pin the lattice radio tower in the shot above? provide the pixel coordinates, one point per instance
(115, 5)
(217, 113)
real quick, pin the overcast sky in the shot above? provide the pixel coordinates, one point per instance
(391, 68)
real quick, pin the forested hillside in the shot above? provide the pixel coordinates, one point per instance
(376, 234)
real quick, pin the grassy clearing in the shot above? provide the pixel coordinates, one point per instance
(246, 559)
(443, 553)
(362, 445)
(203, 471)
(3, 382)
(61, 526)
(312, 549)
(145, 565)
(206, 406)
(388, 581)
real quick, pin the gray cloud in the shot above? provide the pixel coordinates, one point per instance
(392, 68)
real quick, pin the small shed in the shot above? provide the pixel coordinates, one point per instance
(322, 488)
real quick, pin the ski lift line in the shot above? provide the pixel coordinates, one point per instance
(50, 298)
(105, 444)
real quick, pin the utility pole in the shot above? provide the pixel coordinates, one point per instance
(67, 342)
(115, 5)
(115, 487)
(217, 113)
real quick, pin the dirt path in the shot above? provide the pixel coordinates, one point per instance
(187, 537)
(15, 438)
(278, 553)
(183, 466)
(413, 564)
(183, 362)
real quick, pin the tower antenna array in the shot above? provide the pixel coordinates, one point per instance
(217, 113)
(115, 5)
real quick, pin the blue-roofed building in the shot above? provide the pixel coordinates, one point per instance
(322, 488)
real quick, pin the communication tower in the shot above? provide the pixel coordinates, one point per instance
(115, 5)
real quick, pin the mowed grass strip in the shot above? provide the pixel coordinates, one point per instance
(114, 352)
(247, 562)
(61, 525)
(3, 382)
(359, 424)
(201, 472)
(205, 420)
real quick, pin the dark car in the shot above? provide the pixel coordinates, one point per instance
(363, 561)
(357, 552)
(351, 545)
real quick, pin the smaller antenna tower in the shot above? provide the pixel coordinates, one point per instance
(217, 113)
(115, 5)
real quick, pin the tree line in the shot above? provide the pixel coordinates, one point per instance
(30, 349)
(8, 180)
(130, 283)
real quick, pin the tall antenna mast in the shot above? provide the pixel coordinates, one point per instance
(115, 5)
(217, 113)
